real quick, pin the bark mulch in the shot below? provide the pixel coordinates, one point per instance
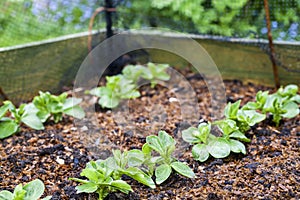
(270, 170)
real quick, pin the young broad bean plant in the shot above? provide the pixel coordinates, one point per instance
(244, 118)
(121, 165)
(124, 86)
(282, 104)
(11, 118)
(49, 105)
(31, 191)
(117, 88)
(164, 145)
(155, 72)
(151, 72)
(100, 180)
(205, 143)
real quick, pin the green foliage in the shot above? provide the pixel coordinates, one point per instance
(155, 72)
(124, 86)
(143, 159)
(133, 72)
(282, 104)
(100, 180)
(24, 114)
(219, 147)
(31, 191)
(49, 105)
(243, 118)
(228, 18)
(164, 144)
(36, 113)
(29, 21)
(238, 120)
(116, 89)
(120, 164)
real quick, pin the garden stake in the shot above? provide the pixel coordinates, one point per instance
(97, 11)
(271, 46)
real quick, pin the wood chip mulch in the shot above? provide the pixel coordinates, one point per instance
(270, 170)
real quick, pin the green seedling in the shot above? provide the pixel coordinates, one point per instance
(121, 166)
(260, 98)
(244, 118)
(116, 89)
(24, 114)
(133, 72)
(290, 93)
(49, 105)
(100, 180)
(143, 159)
(205, 143)
(31, 191)
(164, 144)
(280, 107)
(282, 104)
(155, 72)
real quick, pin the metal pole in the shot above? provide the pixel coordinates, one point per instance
(108, 17)
(271, 46)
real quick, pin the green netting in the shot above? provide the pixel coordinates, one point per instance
(24, 21)
(239, 25)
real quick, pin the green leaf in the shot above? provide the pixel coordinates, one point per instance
(190, 135)
(290, 90)
(6, 195)
(92, 174)
(166, 139)
(251, 117)
(296, 99)
(3, 110)
(183, 169)
(204, 129)
(146, 149)
(121, 185)
(139, 176)
(108, 102)
(162, 173)
(87, 188)
(75, 111)
(7, 128)
(133, 72)
(19, 192)
(43, 115)
(239, 135)
(154, 143)
(231, 110)
(250, 106)
(200, 152)
(34, 190)
(236, 146)
(71, 102)
(147, 74)
(219, 148)
(227, 126)
(135, 158)
(33, 122)
(101, 91)
(291, 109)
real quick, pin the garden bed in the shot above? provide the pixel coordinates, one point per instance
(269, 170)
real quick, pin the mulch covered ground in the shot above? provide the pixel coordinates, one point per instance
(270, 170)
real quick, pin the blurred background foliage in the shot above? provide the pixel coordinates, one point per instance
(23, 21)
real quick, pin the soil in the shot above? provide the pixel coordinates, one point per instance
(269, 170)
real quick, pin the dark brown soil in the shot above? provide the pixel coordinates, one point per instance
(270, 170)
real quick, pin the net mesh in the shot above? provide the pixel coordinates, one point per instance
(238, 21)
